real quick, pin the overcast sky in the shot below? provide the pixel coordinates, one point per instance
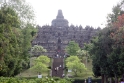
(77, 12)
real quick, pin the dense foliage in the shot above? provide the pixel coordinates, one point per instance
(73, 63)
(41, 64)
(9, 44)
(24, 11)
(15, 42)
(72, 48)
(37, 49)
(108, 47)
(37, 80)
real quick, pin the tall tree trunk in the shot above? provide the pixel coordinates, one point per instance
(110, 80)
(102, 81)
(116, 81)
(105, 78)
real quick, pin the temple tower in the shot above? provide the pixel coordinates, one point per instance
(60, 21)
(56, 37)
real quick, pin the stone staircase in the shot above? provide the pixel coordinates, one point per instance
(57, 61)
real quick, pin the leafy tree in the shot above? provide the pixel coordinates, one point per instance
(41, 64)
(95, 62)
(9, 48)
(83, 54)
(120, 22)
(102, 48)
(73, 63)
(118, 48)
(25, 46)
(72, 58)
(24, 10)
(26, 16)
(72, 48)
(14, 45)
(107, 50)
(37, 49)
(112, 17)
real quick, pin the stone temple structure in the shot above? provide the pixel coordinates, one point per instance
(56, 37)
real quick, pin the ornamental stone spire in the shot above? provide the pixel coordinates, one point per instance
(59, 21)
(60, 15)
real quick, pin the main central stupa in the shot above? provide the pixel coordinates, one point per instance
(59, 21)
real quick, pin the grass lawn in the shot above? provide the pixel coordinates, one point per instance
(29, 72)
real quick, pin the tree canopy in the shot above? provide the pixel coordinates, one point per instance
(72, 48)
(15, 42)
(107, 50)
(41, 64)
(73, 63)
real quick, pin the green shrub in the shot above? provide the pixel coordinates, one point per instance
(36, 80)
